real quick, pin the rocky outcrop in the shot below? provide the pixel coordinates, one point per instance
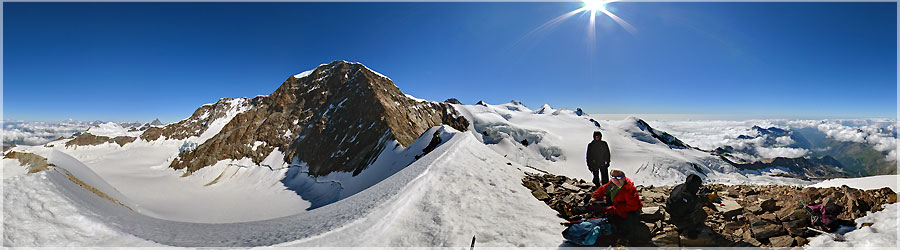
(34, 163)
(201, 120)
(738, 215)
(337, 117)
(88, 139)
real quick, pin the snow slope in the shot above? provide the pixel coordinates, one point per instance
(47, 209)
(396, 203)
(468, 190)
(112, 129)
(229, 191)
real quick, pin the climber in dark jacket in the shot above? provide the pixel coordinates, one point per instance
(685, 207)
(598, 159)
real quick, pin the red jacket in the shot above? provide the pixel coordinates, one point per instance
(626, 199)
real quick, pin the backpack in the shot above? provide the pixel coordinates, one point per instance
(818, 215)
(586, 232)
(679, 203)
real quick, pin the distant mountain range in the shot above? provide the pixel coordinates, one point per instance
(853, 159)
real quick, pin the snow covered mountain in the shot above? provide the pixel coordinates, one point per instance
(336, 156)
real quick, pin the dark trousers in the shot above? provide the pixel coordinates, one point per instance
(598, 172)
(689, 224)
(626, 227)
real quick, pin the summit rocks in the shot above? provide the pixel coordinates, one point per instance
(337, 117)
(738, 215)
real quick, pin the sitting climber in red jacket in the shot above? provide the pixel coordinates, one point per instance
(626, 205)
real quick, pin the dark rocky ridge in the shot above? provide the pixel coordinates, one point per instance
(199, 121)
(85, 139)
(337, 118)
(662, 136)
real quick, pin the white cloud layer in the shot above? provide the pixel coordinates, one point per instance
(780, 152)
(709, 135)
(37, 133)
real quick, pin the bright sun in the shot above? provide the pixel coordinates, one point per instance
(595, 5)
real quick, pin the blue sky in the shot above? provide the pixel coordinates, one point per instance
(140, 61)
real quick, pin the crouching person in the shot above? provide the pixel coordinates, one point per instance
(624, 204)
(685, 207)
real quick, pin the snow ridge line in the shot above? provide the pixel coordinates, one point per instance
(395, 198)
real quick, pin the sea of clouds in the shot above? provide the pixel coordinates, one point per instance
(710, 134)
(881, 134)
(38, 133)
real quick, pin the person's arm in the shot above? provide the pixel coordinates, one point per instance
(633, 202)
(608, 156)
(599, 193)
(588, 155)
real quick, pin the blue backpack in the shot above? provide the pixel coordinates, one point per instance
(587, 231)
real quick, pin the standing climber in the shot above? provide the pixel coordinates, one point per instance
(598, 159)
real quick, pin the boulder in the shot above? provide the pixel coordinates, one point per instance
(540, 194)
(551, 189)
(755, 209)
(801, 241)
(732, 226)
(531, 185)
(749, 242)
(791, 213)
(652, 214)
(763, 229)
(769, 205)
(570, 186)
(768, 216)
(670, 239)
(812, 193)
(729, 208)
(797, 227)
(781, 241)
(654, 196)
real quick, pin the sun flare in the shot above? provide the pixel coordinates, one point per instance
(595, 5)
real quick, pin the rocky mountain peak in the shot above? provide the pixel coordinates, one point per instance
(336, 117)
(660, 135)
(773, 131)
